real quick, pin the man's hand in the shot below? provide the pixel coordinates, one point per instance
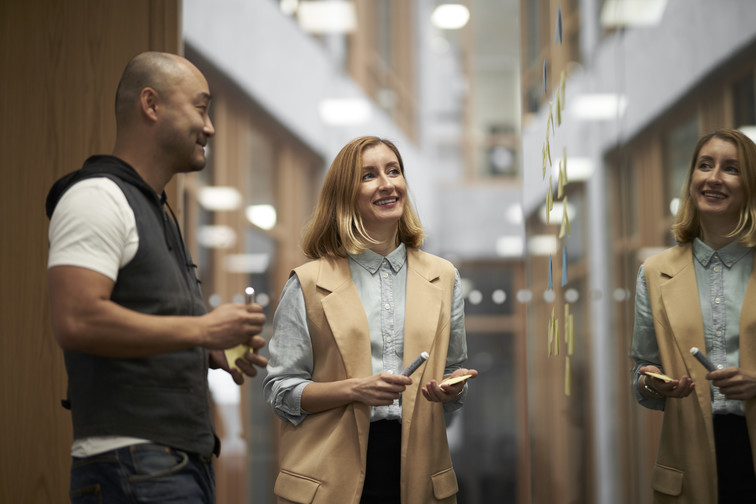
(232, 324)
(246, 363)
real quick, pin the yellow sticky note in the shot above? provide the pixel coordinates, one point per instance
(571, 337)
(556, 337)
(550, 340)
(567, 377)
(543, 151)
(564, 163)
(560, 183)
(566, 323)
(559, 110)
(234, 353)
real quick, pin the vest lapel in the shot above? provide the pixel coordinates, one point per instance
(346, 316)
(679, 296)
(748, 349)
(423, 307)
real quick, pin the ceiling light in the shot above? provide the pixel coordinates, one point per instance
(543, 245)
(596, 107)
(345, 111)
(216, 198)
(557, 212)
(216, 237)
(620, 13)
(247, 263)
(262, 216)
(510, 246)
(579, 169)
(450, 16)
(749, 131)
(327, 16)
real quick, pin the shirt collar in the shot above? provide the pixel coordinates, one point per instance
(371, 261)
(729, 254)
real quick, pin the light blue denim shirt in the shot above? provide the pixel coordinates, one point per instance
(381, 284)
(722, 277)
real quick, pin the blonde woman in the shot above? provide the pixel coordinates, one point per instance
(354, 429)
(702, 293)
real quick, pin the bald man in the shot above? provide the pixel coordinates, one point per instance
(126, 306)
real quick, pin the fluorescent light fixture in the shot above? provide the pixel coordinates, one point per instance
(598, 107)
(579, 169)
(514, 214)
(215, 198)
(262, 216)
(510, 246)
(216, 237)
(543, 245)
(289, 7)
(247, 263)
(345, 111)
(327, 16)
(674, 206)
(749, 131)
(557, 212)
(450, 16)
(619, 13)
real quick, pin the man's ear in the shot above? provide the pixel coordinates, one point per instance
(148, 103)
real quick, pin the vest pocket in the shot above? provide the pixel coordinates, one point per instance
(296, 488)
(445, 484)
(667, 480)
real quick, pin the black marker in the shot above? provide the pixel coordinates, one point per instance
(703, 359)
(415, 364)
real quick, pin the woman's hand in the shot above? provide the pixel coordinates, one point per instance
(734, 383)
(441, 392)
(675, 388)
(381, 389)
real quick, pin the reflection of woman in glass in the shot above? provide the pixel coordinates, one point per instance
(355, 429)
(702, 293)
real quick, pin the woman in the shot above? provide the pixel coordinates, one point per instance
(355, 429)
(702, 293)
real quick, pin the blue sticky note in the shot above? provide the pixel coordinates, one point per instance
(564, 266)
(544, 76)
(558, 28)
(551, 275)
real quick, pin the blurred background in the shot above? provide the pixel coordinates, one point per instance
(545, 143)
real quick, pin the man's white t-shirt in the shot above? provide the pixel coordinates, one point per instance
(93, 227)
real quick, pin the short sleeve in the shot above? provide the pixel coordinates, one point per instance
(93, 227)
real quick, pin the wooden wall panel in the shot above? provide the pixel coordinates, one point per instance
(61, 62)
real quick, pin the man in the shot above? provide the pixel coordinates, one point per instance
(126, 307)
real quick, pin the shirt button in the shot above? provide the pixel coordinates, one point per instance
(716, 269)
(385, 275)
(387, 306)
(716, 300)
(719, 333)
(388, 339)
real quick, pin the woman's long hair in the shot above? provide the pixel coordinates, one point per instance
(687, 224)
(336, 226)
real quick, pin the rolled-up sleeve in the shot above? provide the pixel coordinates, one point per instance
(645, 349)
(290, 363)
(457, 352)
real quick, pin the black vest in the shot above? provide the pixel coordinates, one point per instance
(164, 397)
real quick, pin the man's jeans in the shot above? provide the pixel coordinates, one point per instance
(142, 473)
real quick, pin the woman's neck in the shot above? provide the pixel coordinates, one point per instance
(386, 242)
(716, 237)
